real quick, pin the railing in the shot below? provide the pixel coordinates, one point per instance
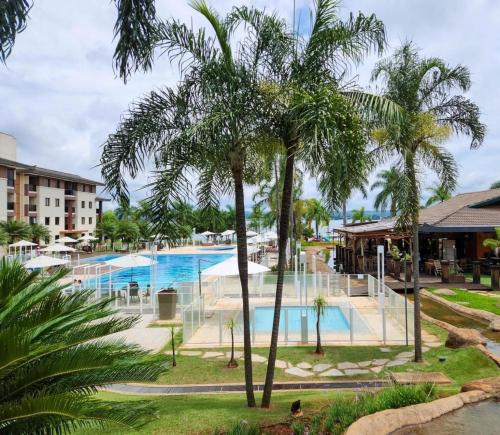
(10, 206)
(31, 187)
(10, 182)
(32, 207)
(69, 192)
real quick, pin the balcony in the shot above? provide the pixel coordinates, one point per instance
(10, 206)
(32, 208)
(32, 188)
(11, 183)
(69, 192)
(69, 210)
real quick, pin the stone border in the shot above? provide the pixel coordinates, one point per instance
(391, 420)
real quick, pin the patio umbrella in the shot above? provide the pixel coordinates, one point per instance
(271, 235)
(227, 233)
(67, 239)
(131, 261)
(251, 233)
(22, 244)
(44, 261)
(58, 247)
(87, 238)
(229, 267)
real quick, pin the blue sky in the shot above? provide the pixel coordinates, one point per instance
(60, 97)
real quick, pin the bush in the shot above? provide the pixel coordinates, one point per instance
(326, 255)
(243, 428)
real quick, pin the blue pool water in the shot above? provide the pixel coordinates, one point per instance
(333, 320)
(171, 269)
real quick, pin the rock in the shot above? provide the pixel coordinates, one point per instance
(304, 365)
(495, 324)
(405, 355)
(290, 365)
(321, 367)
(332, 372)
(460, 337)
(377, 369)
(425, 349)
(380, 361)
(212, 354)
(258, 358)
(488, 385)
(354, 372)
(190, 352)
(299, 372)
(384, 349)
(281, 364)
(397, 362)
(444, 291)
(432, 343)
(347, 365)
(365, 363)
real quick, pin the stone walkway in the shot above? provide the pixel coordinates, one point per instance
(345, 368)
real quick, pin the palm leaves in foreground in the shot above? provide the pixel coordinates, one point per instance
(53, 357)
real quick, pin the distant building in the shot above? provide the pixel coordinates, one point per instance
(66, 203)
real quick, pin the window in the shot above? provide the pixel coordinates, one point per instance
(57, 220)
(90, 221)
(73, 226)
(56, 237)
(57, 202)
(58, 184)
(84, 188)
(83, 204)
(83, 221)
(90, 204)
(47, 202)
(47, 221)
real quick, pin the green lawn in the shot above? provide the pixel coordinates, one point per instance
(474, 300)
(485, 279)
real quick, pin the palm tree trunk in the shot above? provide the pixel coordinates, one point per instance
(276, 180)
(318, 337)
(241, 243)
(344, 213)
(286, 207)
(416, 294)
(231, 361)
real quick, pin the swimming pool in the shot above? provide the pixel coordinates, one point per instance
(333, 319)
(171, 269)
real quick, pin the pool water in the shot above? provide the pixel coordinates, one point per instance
(171, 269)
(333, 320)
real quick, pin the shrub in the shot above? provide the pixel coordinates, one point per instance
(326, 255)
(243, 428)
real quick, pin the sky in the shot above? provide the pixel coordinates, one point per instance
(60, 97)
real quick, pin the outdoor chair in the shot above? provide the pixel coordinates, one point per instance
(437, 267)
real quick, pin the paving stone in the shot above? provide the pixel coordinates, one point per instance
(212, 354)
(420, 377)
(190, 352)
(380, 361)
(237, 354)
(352, 372)
(405, 355)
(445, 291)
(299, 372)
(332, 372)
(384, 349)
(397, 362)
(365, 363)
(347, 365)
(304, 365)
(258, 358)
(290, 365)
(377, 369)
(281, 364)
(433, 344)
(321, 367)
(425, 349)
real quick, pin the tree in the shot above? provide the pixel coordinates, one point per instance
(4, 238)
(428, 91)
(319, 305)
(39, 233)
(256, 217)
(495, 185)
(388, 181)
(106, 228)
(317, 213)
(16, 230)
(230, 325)
(358, 215)
(439, 193)
(127, 231)
(493, 244)
(172, 342)
(55, 355)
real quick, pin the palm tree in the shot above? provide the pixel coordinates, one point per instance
(439, 193)
(495, 185)
(16, 230)
(55, 355)
(432, 110)
(319, 305)
(388, 181)
(127, 231)
(317, 213)
(39, 232)
(256, 217)
(493, 244)
(358, 215)
(230, 325)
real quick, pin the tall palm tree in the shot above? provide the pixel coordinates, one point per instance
(55, 355)
(439, 193)
(256, 217)
(319, 305)
(388, 182)
(206, 127)
(359, 215)
(429, 91)
(495, 185)
(39, 233)
(16, 230)
(317, 213)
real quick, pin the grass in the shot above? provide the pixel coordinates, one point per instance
(485, 279)
(474, 300)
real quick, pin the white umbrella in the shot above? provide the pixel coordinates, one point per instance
(131, 261)
(227, 233)
(58, 247)
(207, 233)
(271, 235)
(43, 261)
(252, 250)
(87, 238)
(229, 267)
(255, 239)
(22, 244)
(67, 239)
(251, 233)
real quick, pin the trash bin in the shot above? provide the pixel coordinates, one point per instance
(167, 302)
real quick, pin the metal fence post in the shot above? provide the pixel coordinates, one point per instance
(351, 325)
(220, 327)
(286, 325)
(384, 327)
(349, 285)
(252, 322)
(328, 284)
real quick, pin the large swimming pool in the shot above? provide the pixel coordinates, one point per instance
(333, 320)
(171, 269)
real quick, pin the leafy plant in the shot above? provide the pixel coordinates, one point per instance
(493, 244)
(243, 428)
(172, 342)
(16, 230)
(395, 253)
(54, 356)
(326, 255)
(230, 325)
(319, 305)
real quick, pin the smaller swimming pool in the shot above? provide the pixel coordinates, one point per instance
(333, 320)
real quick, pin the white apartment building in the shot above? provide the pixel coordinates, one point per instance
(66, 203)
